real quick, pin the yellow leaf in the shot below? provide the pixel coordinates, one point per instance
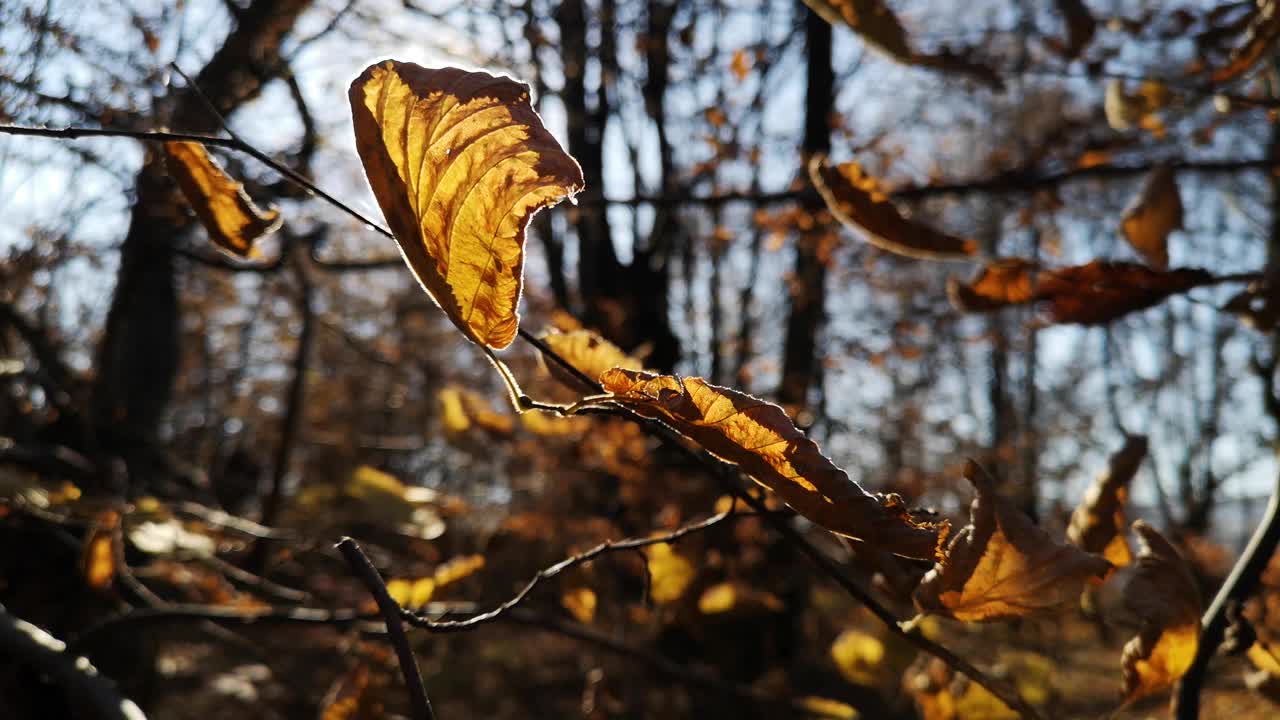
(760, 439)
(1154, 213)
(460, 409)
(459, 161)
(1001, 565)
(1098, 523)
(820, 707)
(581, 603)
(669, 573)
(591, 354)
(420, 594)
(400, 590)
(1164, 595)
(452, 414)
(98, 562)
(728, 596)
(859, 656)
(1265, 656)
(857, 200)
(233, 222)
(457, 569)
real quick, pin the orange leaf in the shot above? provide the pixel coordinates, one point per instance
(589, 353)
(857, 200)
(1164, 595)
(581, 604)
(759, 438)
(1097, 525)
(101, 554)
(1154, 213)
(1091, 294)
(233, 222)
(1001, 565)
(459, 161)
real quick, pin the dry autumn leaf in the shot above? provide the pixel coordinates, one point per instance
(1154, 213)
(880, 28)
(1001, 565)
(670, 573)
(101, 554)
(462, 409)
(581, 604)
(459, 162)
(759, 438)
(591, 354)
(1098, 523)
(232, 220)
(1091, 294)
(857, 200)
(1163, 594)
(1260, 36)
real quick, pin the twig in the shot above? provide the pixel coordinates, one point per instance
(88, 691)
(608, 546)
(395, 631)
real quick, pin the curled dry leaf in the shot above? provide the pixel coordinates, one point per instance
(876, 24)
(857, 200)
(1091, 294)
(1163, 594)
(459, 162)
(1260, 36)
(232, 220)
(759, 438)
(1098, 523)
(1001, 565)
(1153, 214)
(591, 354)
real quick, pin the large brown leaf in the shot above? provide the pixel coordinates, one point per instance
(857, 200)
(1091, 294)
(1163, 594)
(233, 222)
(1098, 523)
(1001, 565)
(1154, 213)
(758, 437)
(459, 162)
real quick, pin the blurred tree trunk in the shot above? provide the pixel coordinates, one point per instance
(138, 355)
(808, 291)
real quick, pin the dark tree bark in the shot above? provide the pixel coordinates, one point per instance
(138, 356)
(808, 293)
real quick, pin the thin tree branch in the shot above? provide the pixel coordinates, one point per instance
(547, 573)
(390, 610)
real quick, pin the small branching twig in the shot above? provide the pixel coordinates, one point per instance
(608, 546)
(390, 610)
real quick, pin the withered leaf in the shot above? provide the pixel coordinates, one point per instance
(1153, 214)
(880, 28)
(100, 557)
(1091, 294)
(759, 438)
(1098, 523)
(1163, 594)
(1260, 36)
(1080, 26)
(459, 162)
(857, 200)
(232, 220)
(591, 354)
(1001, 565)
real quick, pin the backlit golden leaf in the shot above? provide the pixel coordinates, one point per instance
(1001, 565)
(857, 200)
(876, 24)
(858, 655)
(820, 707)
(1091, 294)
(589, 353)
(461, 409)
(730, 596)
(459, 162)
(233, 222)
(1153, 214)
(457, 569)
(759, 438)
(669, 573)
(1098, 523)
(1163, 594)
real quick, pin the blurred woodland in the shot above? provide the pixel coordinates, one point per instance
(1042, 237)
